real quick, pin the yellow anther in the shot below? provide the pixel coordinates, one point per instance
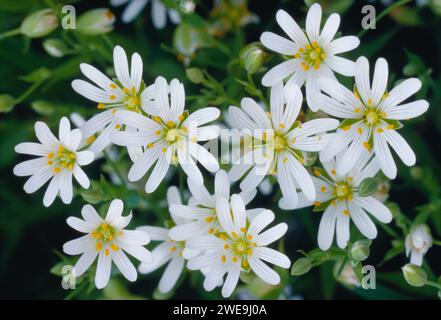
(173, 249)
(245, 263)
(234, 234)
(50, 155)
(49, 163)
(222, 236)
(226, 247)
(346, 128)
(346, 212)
(158, 132)
(369, 102)
(360, 130)
(223, 259)
(322, 188)
(170, 124)
(211, 230)
(114, 247)
(164, 150)
(249, 237)
(118, 126)
(380, 130)
(90, 140)
(56, 169)
(98, 246)
(390, 127)
(181, 118)
(209, 219)
(366, 145)
(317, 203)
(334, 203)
(243, 230)
(101, 106)
(113, 86)
(150, 145)
(282, 125)
(157, 119)
(106, 252)
(350, 179)
(357, 110)
(333, 172)
(126, 90)
(315, 44)
(104, 226)
(112, 97)
(317, 172)
(249, 252)
(234, 259)
(285, 160)
(297, 55)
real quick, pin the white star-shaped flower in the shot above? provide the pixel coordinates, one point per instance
(127, 92)
(371, 116)
(58, 160)
(200, 212)
(337, 195)
(311, 54)
(171, 135)
(168, 251)
(108, 240)
(159, 12)
(279, 143)
(241, 245)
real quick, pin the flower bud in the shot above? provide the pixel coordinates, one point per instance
(301, 266)
(252, 57)
(7, 103)
(414, 275)
(39, 24)
(360, 250)
(195, 75)
(417, 243)
(96, 22)
(55, 47)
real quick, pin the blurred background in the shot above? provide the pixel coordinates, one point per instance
(36, 73)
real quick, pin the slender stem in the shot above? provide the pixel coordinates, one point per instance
(9, 33)
(389, 231)
(436, 242)
(434, 284)
(383, 14)
(28, 92)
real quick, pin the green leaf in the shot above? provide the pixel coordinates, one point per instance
(368, 187)
(301, 266)
(7, 103)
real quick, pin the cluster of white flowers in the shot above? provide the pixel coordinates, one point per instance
(215, 233)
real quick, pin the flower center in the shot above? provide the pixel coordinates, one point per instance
(105, 235)
(173, 135)
(372, 117)
(64, 158)
(279, 143)
(343, 190)
(132, 103)
(240, 247)
(312, 56)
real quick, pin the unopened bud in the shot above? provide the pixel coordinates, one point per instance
(96, 22)
(55, 47)
(360, 250)
(414, 275)
(39, 24)
(252, 57)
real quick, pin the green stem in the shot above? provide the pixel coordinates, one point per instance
(9, 33)
(436, 242)
(383, 14)
(389, 231)
(28, 92)
(434, 284)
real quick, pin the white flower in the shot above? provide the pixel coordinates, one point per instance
(372, 117)
(417, 243)
(242, 246)
(171, 135)
(107, 239)
(127, 92)
(279, 143)
(168, 251)
(201, 209)
(58, 160)
(337, 195)
(159, 12)
(312, 54)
